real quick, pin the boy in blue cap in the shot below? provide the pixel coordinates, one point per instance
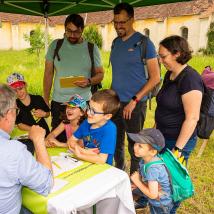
(153, 182)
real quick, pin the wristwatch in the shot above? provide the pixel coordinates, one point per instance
(134, 98)
(178, 149)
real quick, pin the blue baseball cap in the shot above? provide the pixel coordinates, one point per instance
(150, 136)
(77, 101)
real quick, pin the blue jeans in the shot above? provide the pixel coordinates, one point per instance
(169, 144)
(143, 201)
(186, 153)
(164, 209)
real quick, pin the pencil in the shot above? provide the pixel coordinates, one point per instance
(57, 165)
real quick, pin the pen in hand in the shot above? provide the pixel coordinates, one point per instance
(73, 159)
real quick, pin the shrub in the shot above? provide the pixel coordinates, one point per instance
(210, 42)
(92, 35)
(36, 40)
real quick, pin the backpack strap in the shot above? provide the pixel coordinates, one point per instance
(147, 165)
(91, 54)
(143, 51)
(58, 46)
(112, 47)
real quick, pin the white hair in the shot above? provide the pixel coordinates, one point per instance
(7, 99)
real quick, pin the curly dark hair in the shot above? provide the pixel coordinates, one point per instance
(175, 44)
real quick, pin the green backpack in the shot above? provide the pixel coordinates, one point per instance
(182, 187)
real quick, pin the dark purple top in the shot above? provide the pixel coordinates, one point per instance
(169, 114)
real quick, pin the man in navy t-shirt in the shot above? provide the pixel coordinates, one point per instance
(129, 80)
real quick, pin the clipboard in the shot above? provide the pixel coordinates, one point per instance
(68, 82)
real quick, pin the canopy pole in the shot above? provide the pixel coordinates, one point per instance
(85, 19)
(46, 34)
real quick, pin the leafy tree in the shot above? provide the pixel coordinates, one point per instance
(36, 40)
(210, 42)
(92, 35)
(210, 36)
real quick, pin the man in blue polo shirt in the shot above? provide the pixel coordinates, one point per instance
(17, 166)
(129, 80)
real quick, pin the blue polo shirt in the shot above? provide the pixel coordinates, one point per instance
(19, 168)
(103, 138)
(128, 75)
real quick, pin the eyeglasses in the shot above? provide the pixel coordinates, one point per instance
(121, 22)
(163, 56)
(74, 32)
(91, 111)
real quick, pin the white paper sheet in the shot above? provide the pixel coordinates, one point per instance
(64, 163)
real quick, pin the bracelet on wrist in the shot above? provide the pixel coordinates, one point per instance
(134, 98)
(178, 149)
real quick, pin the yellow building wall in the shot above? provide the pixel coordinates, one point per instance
(159, 29)
(57, 31)
(12, 36)
(5, 36)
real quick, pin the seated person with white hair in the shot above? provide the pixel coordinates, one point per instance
(17, 166)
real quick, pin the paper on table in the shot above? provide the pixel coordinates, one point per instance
(62, 164)
(68, 82)
(58, 184)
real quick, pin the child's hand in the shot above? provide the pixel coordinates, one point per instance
(77, 151)
(48, 143)
(39, 113)
(135, 177)
(93, 151)
(55, 142)
(133, 186)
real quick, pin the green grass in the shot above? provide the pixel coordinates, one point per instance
(201, 169)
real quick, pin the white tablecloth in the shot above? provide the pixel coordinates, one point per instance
(108, 184)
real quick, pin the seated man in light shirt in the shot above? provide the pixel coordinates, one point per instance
(17, 166)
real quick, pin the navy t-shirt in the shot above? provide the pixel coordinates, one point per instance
(169, 114)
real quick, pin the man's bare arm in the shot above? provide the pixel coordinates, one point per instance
(48, 80)
(99, 74)
(154, 77)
